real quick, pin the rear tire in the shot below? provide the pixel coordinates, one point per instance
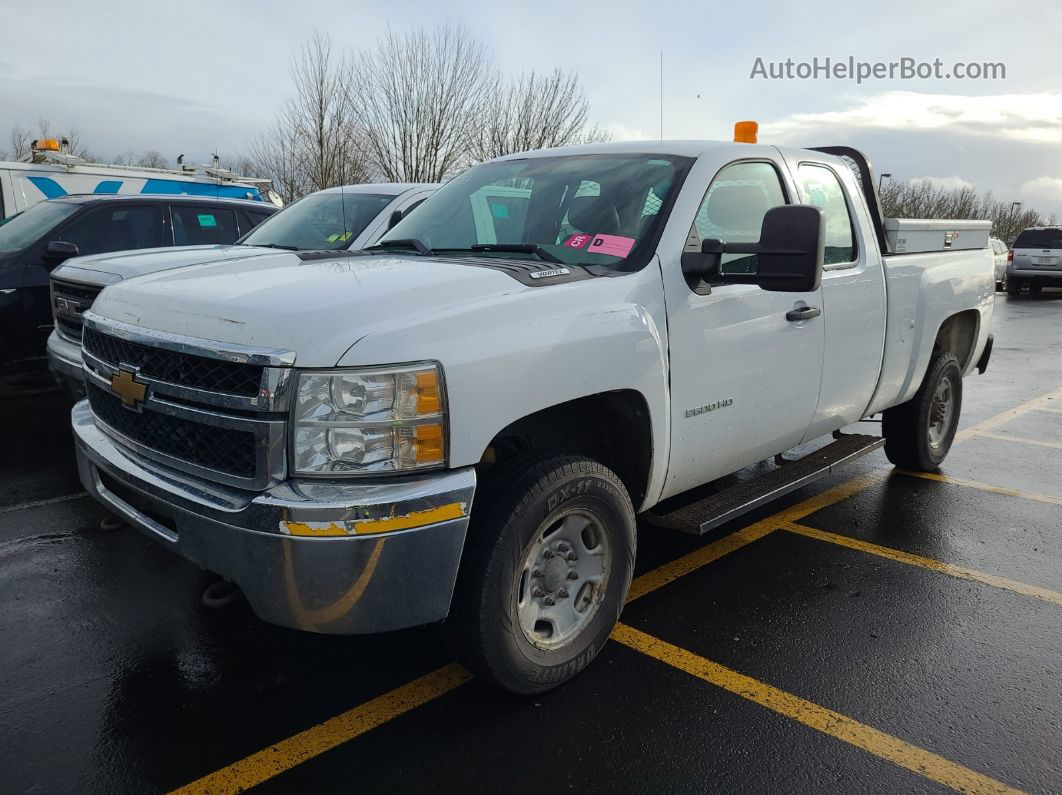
(918, 433)
(1012, 287)
(546, 571)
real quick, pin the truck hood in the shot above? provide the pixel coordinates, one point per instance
(317, 308)
(118, 265)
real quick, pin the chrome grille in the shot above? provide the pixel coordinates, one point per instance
(183, 369)
(213, 409)
(221, 449)
(69, 302)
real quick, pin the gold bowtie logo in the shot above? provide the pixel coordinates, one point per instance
(131, 391)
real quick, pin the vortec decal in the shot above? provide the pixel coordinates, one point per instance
(549, 274)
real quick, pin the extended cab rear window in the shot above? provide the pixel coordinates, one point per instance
(1039, 238)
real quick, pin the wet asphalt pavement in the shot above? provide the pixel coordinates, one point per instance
(904, 633)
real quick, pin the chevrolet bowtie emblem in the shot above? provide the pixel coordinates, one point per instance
(131, 391)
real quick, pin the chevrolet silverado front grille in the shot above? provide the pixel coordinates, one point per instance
(221, 449)
(183, 369)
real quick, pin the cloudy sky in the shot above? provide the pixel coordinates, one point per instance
(198, 77)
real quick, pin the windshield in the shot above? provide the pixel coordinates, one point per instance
(578, 209)
(319, 221)
(29, 226)
(1039, 238)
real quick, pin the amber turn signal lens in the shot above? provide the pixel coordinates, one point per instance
(428, 441)
(429, 396)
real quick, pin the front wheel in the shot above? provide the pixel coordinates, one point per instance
(547, 568)
(918, 433)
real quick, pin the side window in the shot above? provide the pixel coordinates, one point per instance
(203, 225)
(732, 210)
(820, 187)
(117, 228)
(249, 220)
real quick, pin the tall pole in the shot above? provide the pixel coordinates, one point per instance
(661, 95)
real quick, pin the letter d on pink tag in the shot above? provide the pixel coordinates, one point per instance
(613, 245)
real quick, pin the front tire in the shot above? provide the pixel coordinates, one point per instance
(547, 568)
(918, 433)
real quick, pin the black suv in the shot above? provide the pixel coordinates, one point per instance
(37, 240)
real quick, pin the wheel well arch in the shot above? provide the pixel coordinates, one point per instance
(612, 427)
(958, 335)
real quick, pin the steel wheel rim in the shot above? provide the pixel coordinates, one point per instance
(562, 579)
(941, 412)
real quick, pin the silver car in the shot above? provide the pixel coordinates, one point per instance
(1035, 260)
(999, 258)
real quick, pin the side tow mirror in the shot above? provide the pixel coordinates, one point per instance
(789, 252)
(396, 216)
(60, 251)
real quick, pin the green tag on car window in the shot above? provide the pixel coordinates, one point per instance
(207, 220)
(499, 211)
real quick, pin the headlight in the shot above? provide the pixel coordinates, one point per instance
(386, 419)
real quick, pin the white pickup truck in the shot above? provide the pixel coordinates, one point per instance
(463, 422)
(349, 217)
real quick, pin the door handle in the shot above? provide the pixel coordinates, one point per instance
(804, 313)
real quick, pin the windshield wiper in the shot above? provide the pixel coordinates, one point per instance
(519, 248)
(271, 245)
(408, 242)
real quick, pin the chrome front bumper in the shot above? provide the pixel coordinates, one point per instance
(343, 558)
(64, 360)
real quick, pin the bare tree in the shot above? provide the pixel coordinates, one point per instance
(920, 198)
(277, 157)
(152, 159)
(19, 141)
(421, 97)
(314, 142)
(533, 112)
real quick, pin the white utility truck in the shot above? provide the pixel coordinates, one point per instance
(462, 422)
(51, 171)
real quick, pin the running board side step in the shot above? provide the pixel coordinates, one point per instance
(719, 508)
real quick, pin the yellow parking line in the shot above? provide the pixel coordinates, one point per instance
(312, 742)
(928, 563)
(305, 745)
(669, 572)
(1009, 414)
(975, 484)
(884, 746)
(1023, 440)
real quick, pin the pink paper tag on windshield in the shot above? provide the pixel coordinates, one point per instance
(578, 241)
(613, 245)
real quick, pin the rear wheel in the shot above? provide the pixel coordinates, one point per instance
(918, 434)
(1012, 286)
(547, 568)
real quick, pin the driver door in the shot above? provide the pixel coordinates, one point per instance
(744, 378)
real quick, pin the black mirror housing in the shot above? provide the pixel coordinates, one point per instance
(396, 216)
(790, 252)
(60, 250)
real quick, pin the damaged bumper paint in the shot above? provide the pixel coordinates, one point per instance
(343, 557)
